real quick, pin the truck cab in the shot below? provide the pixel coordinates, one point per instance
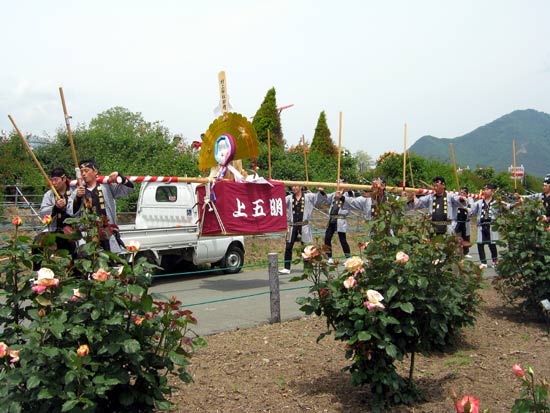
(167, 225)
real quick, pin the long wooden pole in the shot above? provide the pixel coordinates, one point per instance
(70, 135)
(515, 173)
(339, 152)
(305, 156)
(405, 157)
(33, 156)
(411, 171)
(454, 167)
(269, 153)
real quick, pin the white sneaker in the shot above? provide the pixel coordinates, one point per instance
(468, 256)
(284, 271)
(330, 261)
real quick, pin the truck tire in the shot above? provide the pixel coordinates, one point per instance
(233, 260)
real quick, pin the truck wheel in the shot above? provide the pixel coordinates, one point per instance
(233, 260)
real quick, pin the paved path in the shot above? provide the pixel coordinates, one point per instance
(227, 302)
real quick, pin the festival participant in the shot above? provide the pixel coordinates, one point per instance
(299, 208)
(100, 199)
(337, 221)
(462, 226)
(544, 196)
(486, 211)
(57, 209)
(442, 206)
(369, 203)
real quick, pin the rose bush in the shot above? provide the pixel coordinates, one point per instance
(408, 292)
(523, 271)
(87, 336)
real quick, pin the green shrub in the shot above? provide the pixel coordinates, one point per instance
(429, 293)
(87, 337)
(523, 267)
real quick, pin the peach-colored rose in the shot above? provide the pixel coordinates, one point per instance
(46, 279)
(41, 313)
(4, 349)
(14, 354)
(47, 219)
(401, 257)
(354, 265)
(363, 245)
(133, 246)
(518, 370)
(139, 320)
(83, 350)
(17, 221)
(100, 275)
(468, 404)
(373, 300)
(39, 289)
(310, 252)
(350, 282)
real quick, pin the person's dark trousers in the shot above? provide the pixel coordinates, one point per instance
(481, 251)
(344, 244)
(329, 233)
(296, 232)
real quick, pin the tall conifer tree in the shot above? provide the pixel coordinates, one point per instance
(268, 118)
(322, 142)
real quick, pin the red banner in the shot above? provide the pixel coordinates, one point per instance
(244, 208)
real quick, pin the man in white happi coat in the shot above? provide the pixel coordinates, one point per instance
(442, 206)
(100, 199)
(299, 208)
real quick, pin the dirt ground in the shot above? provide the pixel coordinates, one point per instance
(281, 368)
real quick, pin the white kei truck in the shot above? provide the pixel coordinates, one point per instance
(167, 226)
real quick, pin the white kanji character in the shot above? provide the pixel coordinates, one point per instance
(258, 209)
(240, 208)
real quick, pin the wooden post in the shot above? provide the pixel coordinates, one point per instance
(339, 152)
(515, 175)
(411, 172)
(269, 153)
(454, 167)
(405, 157)
(33, 156)
(305, 156)
(274, 295)
(70, 135)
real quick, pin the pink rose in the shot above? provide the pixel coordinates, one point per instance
(310, 252)
(373, 300)
(17, 221)
(4, 349)
(350, 282)
(133, 246)
(100, 275)
(39, 289)
(518, 370)
(468, 404)
(354, 265)
(363, 245)
(76, 295)
(401, 257)
(83, 350)
(47, 219)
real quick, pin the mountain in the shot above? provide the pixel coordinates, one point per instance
(491, 144)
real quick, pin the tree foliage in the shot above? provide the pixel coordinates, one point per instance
(322, 142)
(268, 118)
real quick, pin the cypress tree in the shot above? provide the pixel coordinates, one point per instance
(322, 142)
(268, 118)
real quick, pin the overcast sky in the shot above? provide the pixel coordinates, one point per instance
(442, 67)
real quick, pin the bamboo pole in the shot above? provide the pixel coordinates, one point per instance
(515, 172)
(305, 156)
(33, 156)
(339, 152)
(70, 135)
(269, 153)
(411, 171)
(454, 167)
(199, 180)
(405, 156)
